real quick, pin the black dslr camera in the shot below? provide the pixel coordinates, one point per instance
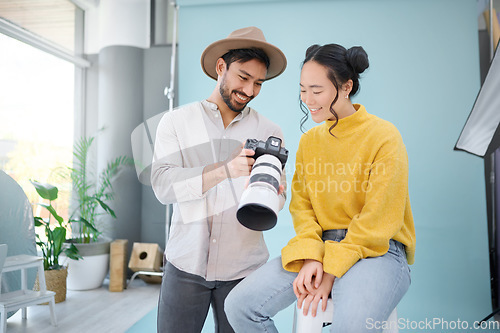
(272, 147)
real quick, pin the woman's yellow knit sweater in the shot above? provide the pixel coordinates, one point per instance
(355, 180)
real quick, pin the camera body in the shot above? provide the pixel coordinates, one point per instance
(271, 146)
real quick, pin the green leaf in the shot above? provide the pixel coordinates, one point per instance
(52, 211)
(85, 223)
(39, 221)
(45, 190)
(106, 208)
(58, 236)
(72, 252)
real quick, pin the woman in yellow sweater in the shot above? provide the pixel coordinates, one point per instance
(350, 208)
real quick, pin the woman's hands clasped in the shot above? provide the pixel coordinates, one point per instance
(311, 285)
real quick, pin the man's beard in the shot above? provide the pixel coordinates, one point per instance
(226, 97)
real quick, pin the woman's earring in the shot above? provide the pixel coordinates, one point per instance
(346, 96)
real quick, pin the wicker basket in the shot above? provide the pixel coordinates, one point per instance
(55, 281)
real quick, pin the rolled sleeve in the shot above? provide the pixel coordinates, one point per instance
(297, 250)
(339, 258)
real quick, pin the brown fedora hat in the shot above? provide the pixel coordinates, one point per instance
(243, 39)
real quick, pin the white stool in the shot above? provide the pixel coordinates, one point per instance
(309, 324)
(23, 298)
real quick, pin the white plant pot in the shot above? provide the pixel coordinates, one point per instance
(90, 272)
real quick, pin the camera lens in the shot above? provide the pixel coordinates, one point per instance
(259, 203)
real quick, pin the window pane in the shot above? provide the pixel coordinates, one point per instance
(52, 19)
(36, 117)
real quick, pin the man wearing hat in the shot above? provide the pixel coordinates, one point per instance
(201, 168)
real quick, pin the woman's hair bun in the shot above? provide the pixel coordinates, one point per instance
(357, 58)
(312, 49)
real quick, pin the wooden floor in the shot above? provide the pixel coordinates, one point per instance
(91, 311)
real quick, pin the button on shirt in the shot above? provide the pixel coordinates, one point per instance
(205, 236)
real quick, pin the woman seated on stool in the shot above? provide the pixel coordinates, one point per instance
(350, 208)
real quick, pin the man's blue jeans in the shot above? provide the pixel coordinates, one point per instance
(366, 294)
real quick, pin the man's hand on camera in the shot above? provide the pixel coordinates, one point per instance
(239, 163)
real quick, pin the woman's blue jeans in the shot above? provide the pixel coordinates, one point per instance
(365, 295)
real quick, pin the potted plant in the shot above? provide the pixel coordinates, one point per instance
(51, 243)
(93, 195)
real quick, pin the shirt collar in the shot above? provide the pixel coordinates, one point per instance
(214, 108)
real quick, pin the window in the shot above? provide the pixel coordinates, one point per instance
(42, 74)
(36, 117)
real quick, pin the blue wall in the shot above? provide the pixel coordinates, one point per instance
(424, 77)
